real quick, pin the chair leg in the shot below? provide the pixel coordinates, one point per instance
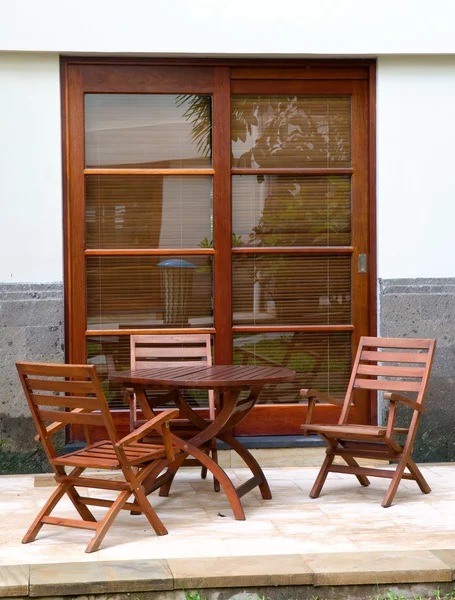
(363, 480)
(104, 525)
(45, 512)
(322, 475)
(420, 479)
(149, 512)
(83, 510)
(390, 495)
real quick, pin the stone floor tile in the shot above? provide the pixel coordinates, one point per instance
(262, 546)
(447, 557)
(99, 577)
(234, 571)
(14, 580)
(377, 567)
(165, 546)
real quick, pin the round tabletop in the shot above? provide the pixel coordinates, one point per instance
(221, 376)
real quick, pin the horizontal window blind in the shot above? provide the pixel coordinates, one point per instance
(281, 210)
(293, 289)
(147, 292)
(126, 212)
(291, 131)
(321, 360)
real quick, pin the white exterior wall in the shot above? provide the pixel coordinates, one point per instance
(415, 100)
(256, 27)
(415, 166)
(30, 169)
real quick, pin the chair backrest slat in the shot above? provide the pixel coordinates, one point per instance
(390, 364)
(64, 401)
(79, 388)
(146, 364)
(403, 357)
(387, 385)
(169, 350)
(390, 371)
(53, 370)
(403, 343)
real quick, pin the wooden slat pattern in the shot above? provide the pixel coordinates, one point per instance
(390, 371)
(65, 401)
(79, 388)
(396, 357)
(387, 384)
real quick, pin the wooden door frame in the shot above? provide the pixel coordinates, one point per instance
(305, 69)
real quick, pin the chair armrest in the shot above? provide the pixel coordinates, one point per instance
(58, 425)
(154, 423)
(394, 397)
(316, 395)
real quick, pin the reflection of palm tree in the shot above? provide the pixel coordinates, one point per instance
(199, 114)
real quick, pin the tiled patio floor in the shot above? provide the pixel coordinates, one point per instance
(346, 518)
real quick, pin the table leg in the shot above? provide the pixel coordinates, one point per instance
(216, 470)
(258, 478)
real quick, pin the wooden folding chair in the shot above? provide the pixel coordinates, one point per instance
(72, 394)
(394, 366)
(167, 350)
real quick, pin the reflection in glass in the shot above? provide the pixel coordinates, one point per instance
(291, 131)
(147, 131)
(286, 289)
(322, 361)
(281, 210)
(147, 211)
(147, 292)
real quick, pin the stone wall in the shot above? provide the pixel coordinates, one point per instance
(425, 308)
(31, 328)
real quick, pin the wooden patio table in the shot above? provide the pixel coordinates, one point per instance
(227, 382)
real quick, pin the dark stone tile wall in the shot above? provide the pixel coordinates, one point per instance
(425, 308)
(31, 328)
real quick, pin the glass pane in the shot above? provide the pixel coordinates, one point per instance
(278, 210)
(284, 289)
(148, 212)
(147, 292)
(291, 131)
(321, 360)
(148, 131)
(112, 353)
